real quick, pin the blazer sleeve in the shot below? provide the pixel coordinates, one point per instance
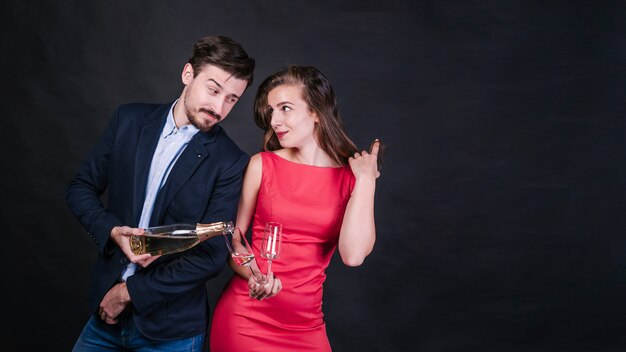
(84, 189)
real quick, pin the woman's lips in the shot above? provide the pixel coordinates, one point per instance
(280, 134)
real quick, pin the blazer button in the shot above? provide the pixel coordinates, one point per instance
(124, 260)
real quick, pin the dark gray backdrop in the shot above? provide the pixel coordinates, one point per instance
(499, 210)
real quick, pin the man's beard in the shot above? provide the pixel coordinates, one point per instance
(199, 122)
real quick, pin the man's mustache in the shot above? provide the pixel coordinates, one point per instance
(212, 113)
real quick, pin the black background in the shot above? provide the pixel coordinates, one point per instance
(500, 206)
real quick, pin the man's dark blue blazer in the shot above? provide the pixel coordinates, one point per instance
(169, 298)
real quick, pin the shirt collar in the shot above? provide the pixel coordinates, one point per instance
(170, 126)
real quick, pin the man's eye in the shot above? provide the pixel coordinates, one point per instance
(232, 100)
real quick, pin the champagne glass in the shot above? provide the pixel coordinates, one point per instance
(270, 248)
(241, 252)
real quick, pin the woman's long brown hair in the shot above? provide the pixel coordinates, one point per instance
(320, 97)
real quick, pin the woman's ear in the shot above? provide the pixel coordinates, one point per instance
(315, 117)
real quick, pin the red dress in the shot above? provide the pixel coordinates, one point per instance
(310, 202)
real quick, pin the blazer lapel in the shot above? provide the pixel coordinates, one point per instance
(148, 140)
(191, 158)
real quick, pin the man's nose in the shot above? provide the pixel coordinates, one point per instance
(217, 106)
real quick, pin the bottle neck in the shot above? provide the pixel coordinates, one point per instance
(206, 231)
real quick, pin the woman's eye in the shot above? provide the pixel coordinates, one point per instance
(286, 108)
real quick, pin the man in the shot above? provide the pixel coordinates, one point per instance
(162, 164)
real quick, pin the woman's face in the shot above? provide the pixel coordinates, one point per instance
(292, 121)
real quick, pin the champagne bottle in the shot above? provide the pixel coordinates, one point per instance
(174, 238)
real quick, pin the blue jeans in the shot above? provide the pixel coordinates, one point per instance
(124, 336)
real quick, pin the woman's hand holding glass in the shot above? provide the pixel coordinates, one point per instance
(261, 286)
(272, 286)
(242, 255)
(270, 250)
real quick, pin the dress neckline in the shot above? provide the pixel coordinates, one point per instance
(306, 165)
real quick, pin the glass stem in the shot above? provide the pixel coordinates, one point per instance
(269, 270)
(258, 277)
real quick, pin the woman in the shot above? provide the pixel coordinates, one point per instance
(312, 179)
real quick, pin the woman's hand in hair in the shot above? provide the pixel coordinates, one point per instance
(364, 164)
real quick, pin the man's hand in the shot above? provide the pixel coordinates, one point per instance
(121, 236)
(114, 303)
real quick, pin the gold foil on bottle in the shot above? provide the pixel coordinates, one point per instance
(205, 231)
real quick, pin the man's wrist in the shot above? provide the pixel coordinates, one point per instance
(124, 294)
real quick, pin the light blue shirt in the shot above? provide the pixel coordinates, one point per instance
(172, 142)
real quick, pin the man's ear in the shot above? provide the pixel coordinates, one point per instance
(187, 74)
